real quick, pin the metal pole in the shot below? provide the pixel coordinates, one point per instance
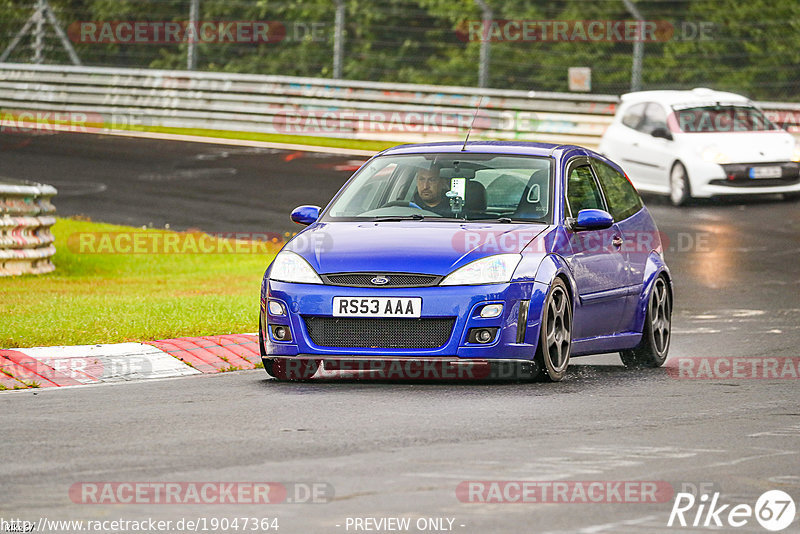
(338, 40)
(483, 67)
(60, 32)
(38, 33)
(638, 50)
(17, 38)
(191, 51)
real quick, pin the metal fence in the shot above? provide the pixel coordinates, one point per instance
(746, 47)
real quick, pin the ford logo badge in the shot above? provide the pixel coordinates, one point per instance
(379, 281)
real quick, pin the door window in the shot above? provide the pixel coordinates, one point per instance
(582, 191)
(623, 200)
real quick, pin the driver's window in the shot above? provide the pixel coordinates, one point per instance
(582, 191)
(654, 117)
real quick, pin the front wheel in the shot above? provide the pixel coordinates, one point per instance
(290, 369)
(555, 335)
(652, 349)
(680, 192)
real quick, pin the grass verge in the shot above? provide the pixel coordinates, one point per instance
(312, 140)
(103, 295)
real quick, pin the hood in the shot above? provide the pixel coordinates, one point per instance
(745, 147)
(407, 246)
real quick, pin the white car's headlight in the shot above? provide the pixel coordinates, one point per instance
(291, 267)
(796, 151)
(496, 269)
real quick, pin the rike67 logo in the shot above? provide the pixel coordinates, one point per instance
(774, 510)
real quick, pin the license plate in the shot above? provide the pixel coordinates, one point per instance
(765, 172)
(377, 306)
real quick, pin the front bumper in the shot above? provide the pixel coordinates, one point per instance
(734, 179)
(462, 304)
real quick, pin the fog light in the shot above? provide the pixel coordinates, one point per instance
(481, 336)
(491, 310)
(281, 333)
(276, 308)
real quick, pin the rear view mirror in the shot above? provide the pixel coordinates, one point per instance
(305, 214)
(591, 220)
(662, 133)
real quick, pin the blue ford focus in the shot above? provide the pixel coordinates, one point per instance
(487, 255)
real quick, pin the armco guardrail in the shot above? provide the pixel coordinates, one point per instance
(26, 215)
(112, 98)
(98, 99)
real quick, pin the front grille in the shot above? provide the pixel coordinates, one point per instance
(738, 175)
(755, 183)
(378, 332)
(394, 279)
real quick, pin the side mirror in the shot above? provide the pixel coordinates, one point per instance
(305, 214)
(661, 132)
(590, 220)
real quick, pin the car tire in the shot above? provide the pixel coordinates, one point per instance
(290, 369)
(261, 348)
(656, 333)
(283, 368)
(555, 334)
(680, 191)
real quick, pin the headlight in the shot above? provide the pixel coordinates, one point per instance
(796, 151)
(713, 154)
(496, 269)
(291, 267)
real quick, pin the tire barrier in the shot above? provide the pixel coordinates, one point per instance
(26, 216)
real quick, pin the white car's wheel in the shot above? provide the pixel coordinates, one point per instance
(680, 192)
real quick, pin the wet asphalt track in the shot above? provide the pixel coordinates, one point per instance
(401, 449)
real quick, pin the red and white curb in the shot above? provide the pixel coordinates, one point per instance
(119, 362)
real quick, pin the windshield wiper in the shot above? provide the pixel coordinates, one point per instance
(393, 218)
(508, 220)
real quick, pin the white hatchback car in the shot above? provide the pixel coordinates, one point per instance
(701, 143)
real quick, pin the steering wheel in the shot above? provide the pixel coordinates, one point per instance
(400, 203)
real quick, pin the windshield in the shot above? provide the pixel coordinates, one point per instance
(722, 118)
(471, 187)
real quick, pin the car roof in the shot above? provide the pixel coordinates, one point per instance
(699, 95)
(483, 147)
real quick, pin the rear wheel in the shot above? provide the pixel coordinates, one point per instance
(652, 350)
(680, 192)
(555, 336)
